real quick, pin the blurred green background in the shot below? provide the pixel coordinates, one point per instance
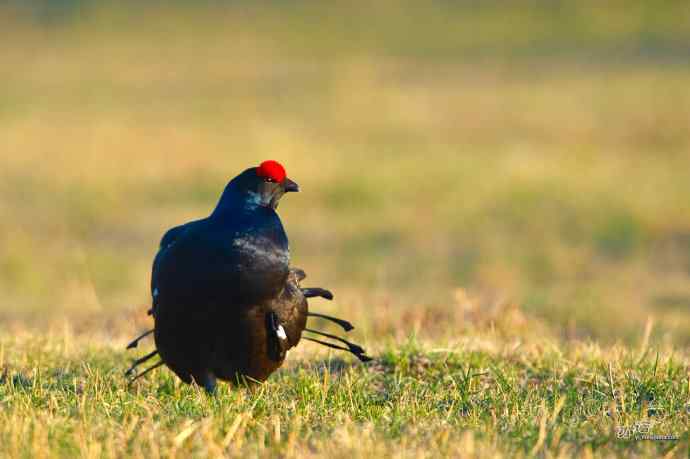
(531, 152)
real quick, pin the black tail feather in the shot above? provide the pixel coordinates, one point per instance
(354, 348)
(314, 292)
(361, 357)
(347, 326)
(135, 342)
(300, 274)
(139, 361)
(151, 368)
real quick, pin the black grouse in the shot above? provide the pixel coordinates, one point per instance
(226, 303)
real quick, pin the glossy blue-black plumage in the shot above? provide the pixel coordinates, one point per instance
(214, 280)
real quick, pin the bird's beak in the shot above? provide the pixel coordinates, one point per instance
(271, 192)
(289, 185)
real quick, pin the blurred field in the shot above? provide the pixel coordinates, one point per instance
(505, 171)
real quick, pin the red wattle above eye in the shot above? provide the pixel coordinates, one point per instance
(272, 170)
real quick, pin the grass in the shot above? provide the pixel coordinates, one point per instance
(497, 194)
(66, 397)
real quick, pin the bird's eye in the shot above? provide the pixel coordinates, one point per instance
(269, 179)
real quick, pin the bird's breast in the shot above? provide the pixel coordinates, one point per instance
(261, 252)
(262, 264)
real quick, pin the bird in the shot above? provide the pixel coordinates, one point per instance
(226, 303)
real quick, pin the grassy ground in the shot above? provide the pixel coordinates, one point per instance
(497, 194)
(481, 397)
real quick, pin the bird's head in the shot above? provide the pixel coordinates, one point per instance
(261, 186)
(273, 183)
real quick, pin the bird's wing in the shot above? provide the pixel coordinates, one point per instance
(292, 308)
(171, 236)
(167, 241)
